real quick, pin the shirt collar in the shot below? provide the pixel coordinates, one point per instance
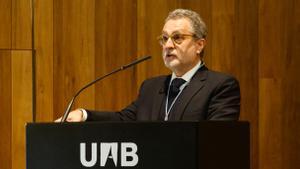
(188, 75)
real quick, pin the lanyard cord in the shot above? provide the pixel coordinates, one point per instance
(167, 101)
(167, 112)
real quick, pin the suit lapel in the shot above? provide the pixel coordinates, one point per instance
(158, 108)
(196, 83)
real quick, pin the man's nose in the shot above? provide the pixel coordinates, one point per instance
(169, 43)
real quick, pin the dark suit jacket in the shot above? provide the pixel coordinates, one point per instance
(209, 96)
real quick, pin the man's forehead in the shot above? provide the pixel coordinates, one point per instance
(181, 25)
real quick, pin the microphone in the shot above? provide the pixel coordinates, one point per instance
(98, 79)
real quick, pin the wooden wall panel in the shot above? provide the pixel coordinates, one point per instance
(44, 59)
(5, 109)
(291, 85)
(5, 26)
(291, 88)
(270, 124)
(279, 120)
(269, 110)
(234, 37)
(291, 118)
(223, 21)
(244, 66)
(21, 24)
(279, 123)
(21, 69)
(116, 40)
(74, 52)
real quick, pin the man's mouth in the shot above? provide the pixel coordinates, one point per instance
(169, 55)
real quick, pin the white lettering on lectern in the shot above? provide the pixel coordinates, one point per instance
(109, 151)
(93, 160)
(132, 153)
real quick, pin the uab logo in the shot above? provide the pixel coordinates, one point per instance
(109, 151)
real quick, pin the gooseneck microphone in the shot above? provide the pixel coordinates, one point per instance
(98, 79)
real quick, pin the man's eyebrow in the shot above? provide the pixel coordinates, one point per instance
(175, 32)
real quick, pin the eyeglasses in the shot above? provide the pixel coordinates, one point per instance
(176, 38)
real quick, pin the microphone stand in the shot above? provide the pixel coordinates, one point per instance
(98, 79)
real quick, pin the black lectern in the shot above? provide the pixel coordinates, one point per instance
(138, 145)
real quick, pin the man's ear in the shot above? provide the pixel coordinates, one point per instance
(201, 44)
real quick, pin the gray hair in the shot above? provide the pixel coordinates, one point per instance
(197, 23)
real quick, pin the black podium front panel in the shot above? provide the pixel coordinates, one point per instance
(172, 145)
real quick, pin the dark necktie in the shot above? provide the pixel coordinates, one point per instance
(174, 90)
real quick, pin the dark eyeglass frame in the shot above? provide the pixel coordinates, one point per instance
(176, 38)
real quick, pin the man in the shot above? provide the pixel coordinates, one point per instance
(191, 93)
